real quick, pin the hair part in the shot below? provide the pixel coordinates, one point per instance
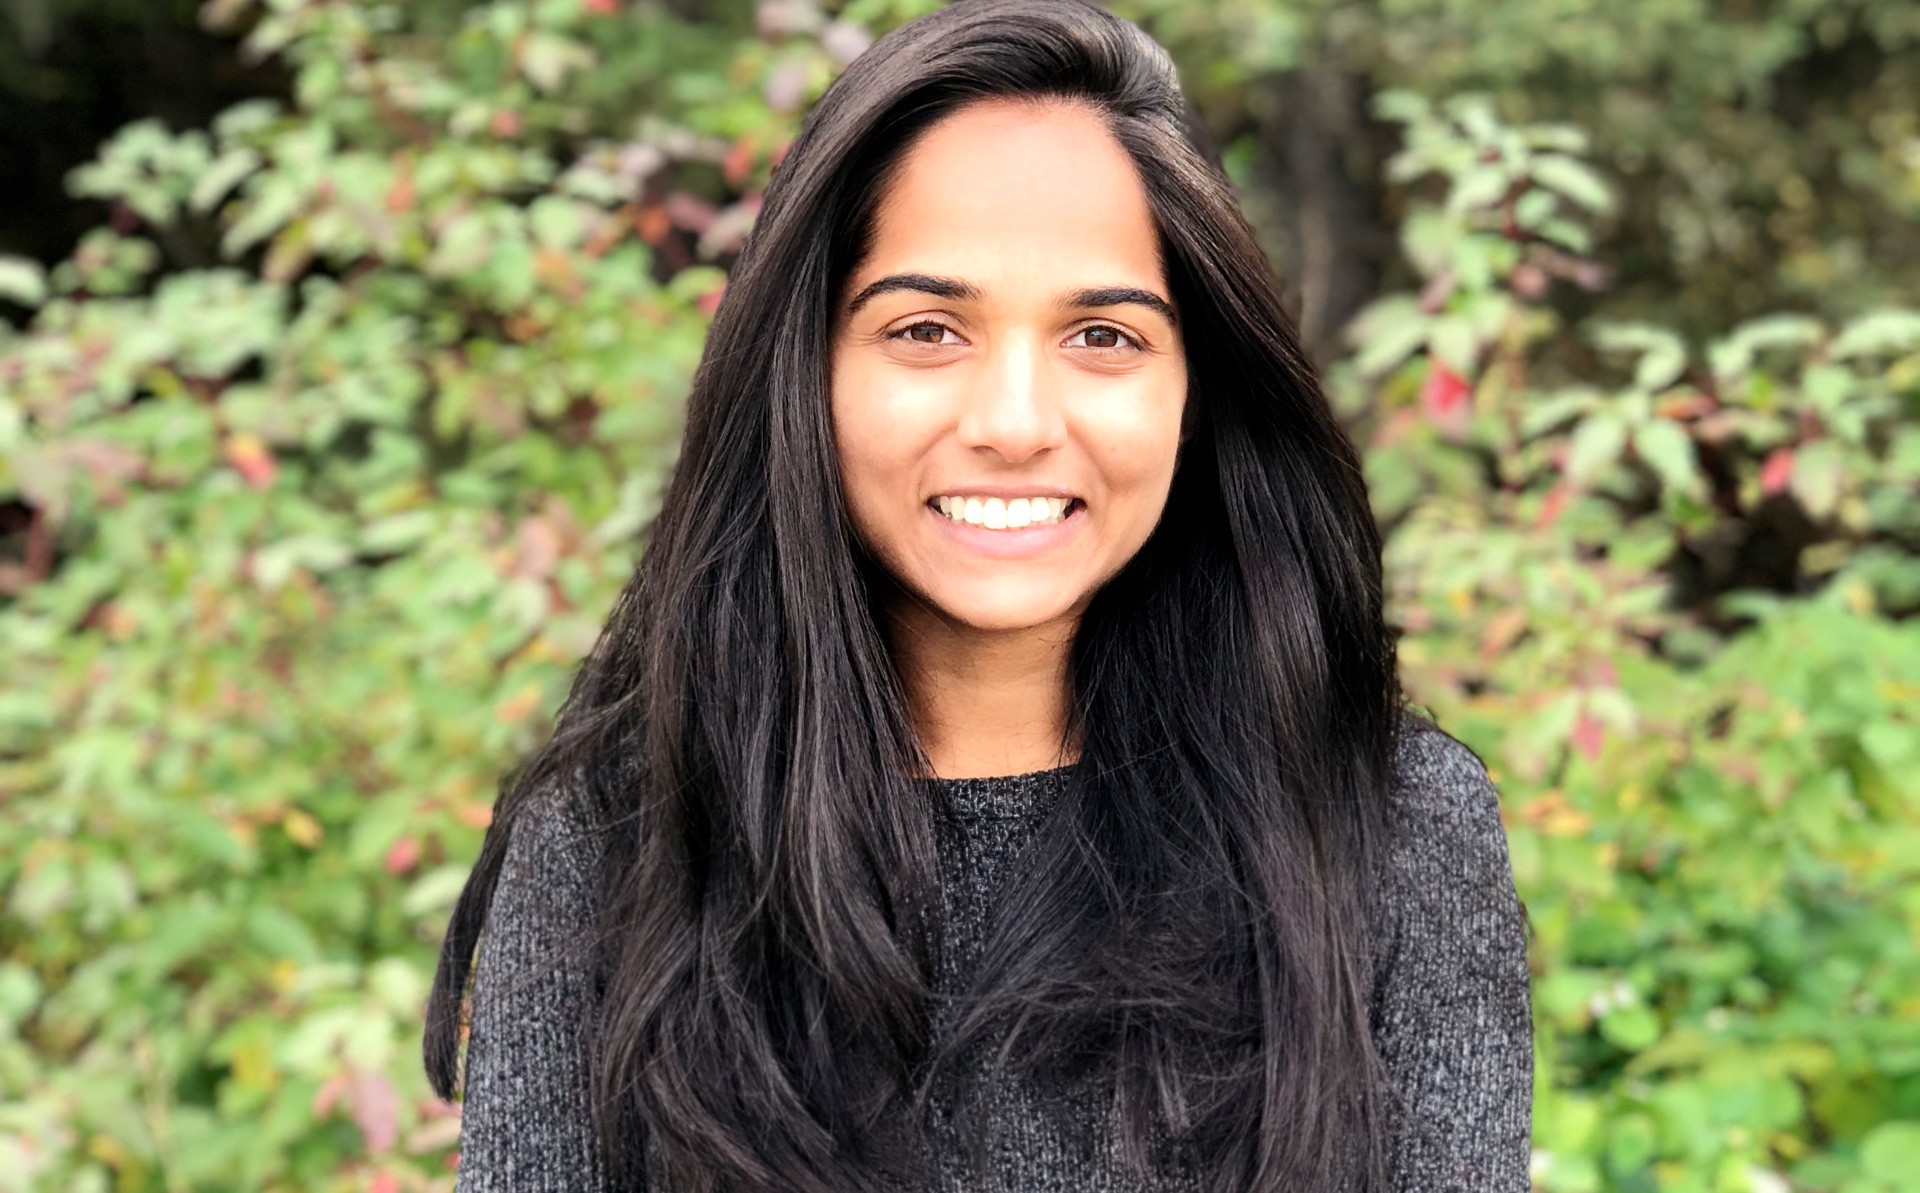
(1190, 924)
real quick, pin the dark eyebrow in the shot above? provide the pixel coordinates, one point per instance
(1119, 296)
(921, 283)
(954, 288)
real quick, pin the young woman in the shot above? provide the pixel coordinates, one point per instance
(995, 775)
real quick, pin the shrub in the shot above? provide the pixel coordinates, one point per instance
(1712, 788)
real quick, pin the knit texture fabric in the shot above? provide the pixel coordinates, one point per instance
(1450, 1018)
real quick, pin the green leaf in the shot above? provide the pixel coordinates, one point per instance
(1428, 238)
(20, 992)
(1663, 355)
(1533, 208)
(1455, 344)
(1735, 354)
(1597, 443)
(1818, 470)
(547, 59)
(1880, 333)
(1630, 1028)
(1828, 387)
(434, 891)
(1387, 332)
(1403, 107)
(1567, 234)
(22, 281)
(1631, 1144)
(1544, 414)
(1481, 185)
(1669, 451)
(1574, 179)
(226, 173)
(1565, 138)
(1891, 1153)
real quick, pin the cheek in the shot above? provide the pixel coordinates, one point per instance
(1136, 441)
(878, 443)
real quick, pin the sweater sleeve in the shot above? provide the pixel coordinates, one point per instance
(1452, 1013)
(525, 1124)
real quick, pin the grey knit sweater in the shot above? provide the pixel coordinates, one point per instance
(1451, 1014)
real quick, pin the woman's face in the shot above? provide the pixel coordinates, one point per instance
(1007, 373)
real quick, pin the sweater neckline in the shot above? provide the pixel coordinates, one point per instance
(1002, 797)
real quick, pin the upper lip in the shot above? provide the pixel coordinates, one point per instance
(1006, 492)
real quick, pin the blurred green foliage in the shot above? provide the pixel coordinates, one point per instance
(297, 551)
(1713, 796)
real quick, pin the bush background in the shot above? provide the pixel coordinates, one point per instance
(341, 360)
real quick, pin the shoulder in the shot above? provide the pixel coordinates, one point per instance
(1451, 1008)
(553, 854)
(1446, 849)
(554, 817)
(1439, 781)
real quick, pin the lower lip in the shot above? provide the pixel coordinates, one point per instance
(1023, 543)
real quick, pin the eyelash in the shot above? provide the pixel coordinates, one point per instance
(901, 334)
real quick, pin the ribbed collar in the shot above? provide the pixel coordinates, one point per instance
(1002, 797)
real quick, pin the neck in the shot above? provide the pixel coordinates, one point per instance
(984, 702)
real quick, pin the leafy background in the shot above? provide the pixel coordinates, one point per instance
(338, 381)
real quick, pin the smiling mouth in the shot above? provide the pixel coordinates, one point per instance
(995, 513)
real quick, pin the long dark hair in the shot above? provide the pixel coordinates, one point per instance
(1192, 920)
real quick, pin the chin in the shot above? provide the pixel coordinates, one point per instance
(1014, 610)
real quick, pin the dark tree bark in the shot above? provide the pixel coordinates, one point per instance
(74, 75)
(1320, 162)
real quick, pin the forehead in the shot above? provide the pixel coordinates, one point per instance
(1014, 193)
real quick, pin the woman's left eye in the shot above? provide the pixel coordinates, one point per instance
(1102, 337)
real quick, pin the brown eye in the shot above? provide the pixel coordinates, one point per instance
(1106, 339)
(922, 333)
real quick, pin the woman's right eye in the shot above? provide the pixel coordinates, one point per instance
(922, 333)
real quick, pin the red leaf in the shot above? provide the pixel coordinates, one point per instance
(1556, 500)
(605, 8)
(739, 161)
(1528, 281)
(1777, 471)
(710, 301)
(1443, 396)
(329, 1092)
(1588, 734)
(384, 1182)
(375, 1110)
(402, 194)
(1433, 295)
(653, 223)
(251, 458)
(690, 212)
(402, 856)
(517, 707)
(1443, 391)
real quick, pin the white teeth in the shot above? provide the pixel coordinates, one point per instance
(996, 513)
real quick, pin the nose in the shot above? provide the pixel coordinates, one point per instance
(1013, 402)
